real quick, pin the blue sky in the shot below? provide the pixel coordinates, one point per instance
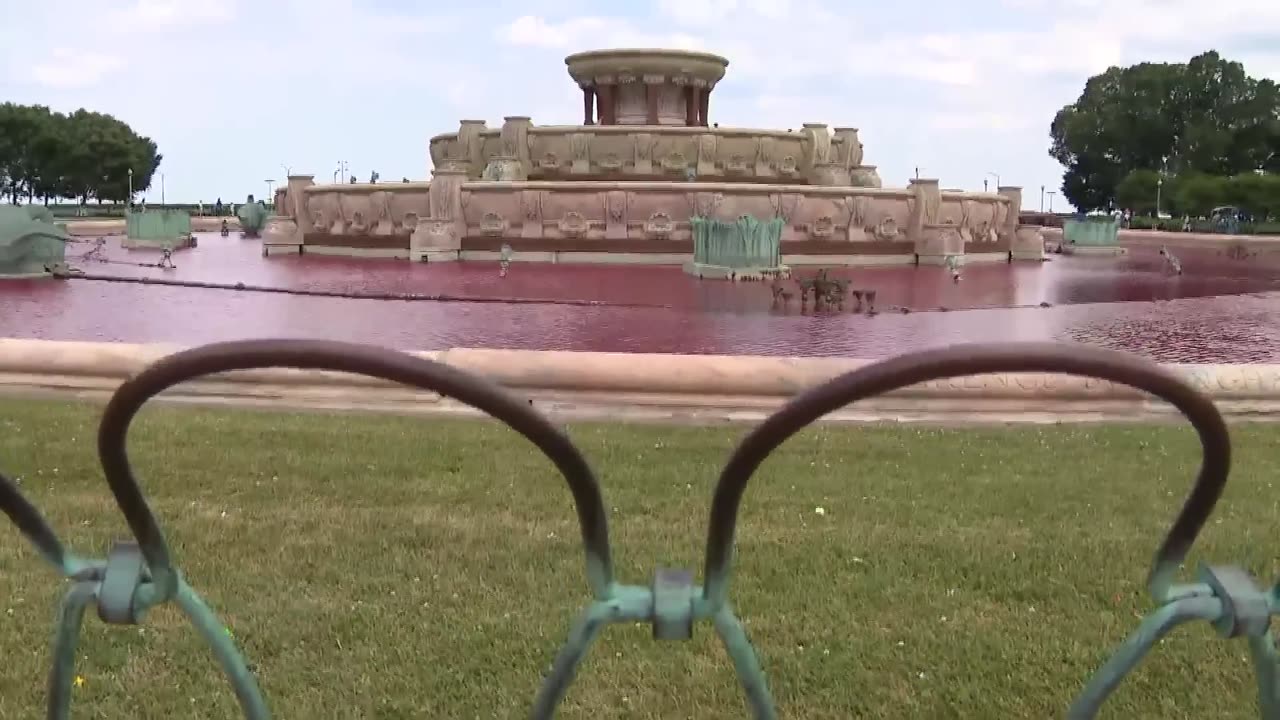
(234, 91)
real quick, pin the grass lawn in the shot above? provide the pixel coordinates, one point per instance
(387, 567)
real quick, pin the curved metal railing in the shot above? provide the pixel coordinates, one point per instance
(140, 574)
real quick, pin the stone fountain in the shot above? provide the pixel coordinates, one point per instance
(627, 184)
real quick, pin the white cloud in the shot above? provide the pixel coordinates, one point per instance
(151, 15)
(68, 69)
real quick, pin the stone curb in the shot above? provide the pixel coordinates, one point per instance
(619, 374)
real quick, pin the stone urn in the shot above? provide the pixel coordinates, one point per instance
(830, 174)
(865, 176)
(504, 168)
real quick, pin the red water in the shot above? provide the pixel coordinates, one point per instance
(1218, 310)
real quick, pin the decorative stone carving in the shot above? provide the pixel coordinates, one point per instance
(788, 165)
(469, 150)
(659, 226)
(707, 154)
(704, 204)
(785, 205)
(574, 225)
(407, 225)
(764, 157)
(615, 215)
(515, 137)
(531, 212)
(1028, 243)
(737, 165)
(549, 163)
(504, 168)
(1009, 225)
(319, 223)
(675, 161)
(822, 228)
(380, 207)
(816, 143)
(857, 207)
(887, 230)
(492, 225)
(580, 149)
(435, 236)
(644, 143)
(610, 162)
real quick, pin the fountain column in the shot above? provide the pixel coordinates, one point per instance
(690, 106)
(652, 86)
(588, 105)
(704, 105)
(607, 94)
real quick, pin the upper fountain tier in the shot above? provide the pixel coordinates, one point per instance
(645, 119)
(646, 87)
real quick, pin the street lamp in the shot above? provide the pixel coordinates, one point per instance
(1041, 198)
(162, 190)
(269, 184)
(1164, 165)
(129, 202)
(1051, 194)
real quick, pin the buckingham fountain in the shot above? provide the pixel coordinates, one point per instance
(646, 178)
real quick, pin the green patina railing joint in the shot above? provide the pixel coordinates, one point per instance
(121, 583)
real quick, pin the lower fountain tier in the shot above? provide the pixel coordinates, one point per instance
(647, 222)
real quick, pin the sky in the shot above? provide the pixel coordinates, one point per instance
(237, 92)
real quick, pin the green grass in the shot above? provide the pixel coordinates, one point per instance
(384, 567)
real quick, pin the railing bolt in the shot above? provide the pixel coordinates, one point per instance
(1244, 605)
(672, 604)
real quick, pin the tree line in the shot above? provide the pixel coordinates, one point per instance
(1205, 128)
(83, 156)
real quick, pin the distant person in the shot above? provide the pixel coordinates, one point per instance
(200, 209)
(217, 208)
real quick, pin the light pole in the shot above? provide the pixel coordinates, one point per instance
(1041, 198)
(129, 203)
(287, 170)
(269, 184)
(917, 172)
(1051, 194)
(162, 190)
(1164, 164)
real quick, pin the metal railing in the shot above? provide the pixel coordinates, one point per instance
(140, 574)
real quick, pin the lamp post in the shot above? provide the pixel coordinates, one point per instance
(1041, 198)
(129, 203)
(269, 183)
(1051, 194)
(1164, 165)
(162, 190)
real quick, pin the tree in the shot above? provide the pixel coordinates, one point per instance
(84, 155)
(1140, 191)
(1205, 116)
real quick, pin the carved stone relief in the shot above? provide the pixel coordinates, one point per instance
(707, 154)
(580, 148)
(659, 226)
(788, 165)
(704, 204)
(764, 156)
(675, 161)
(644, 143)
(887, 230)
(574, 225)
(785, 206)
(407, 225)
(822, 228)
(492, 225)
(615, 215)
(531, 212)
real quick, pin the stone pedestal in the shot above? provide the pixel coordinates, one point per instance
(1028, 244)
(297, 201)
(938, 242)
(438, 238)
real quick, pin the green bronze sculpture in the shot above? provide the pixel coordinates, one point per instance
(253, 217)
(30, 244)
